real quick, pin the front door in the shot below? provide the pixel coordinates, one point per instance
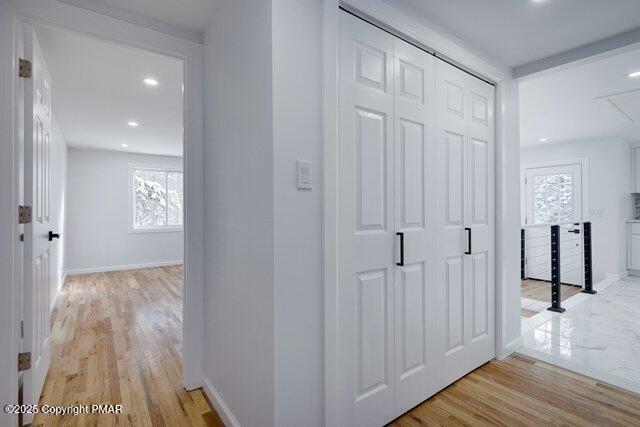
(37, 248)
(554, 196)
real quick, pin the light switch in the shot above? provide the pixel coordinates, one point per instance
(304, 175)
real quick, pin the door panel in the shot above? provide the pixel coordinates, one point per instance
(465, 257)
(414, 151)
(366, 274)
(37, 194)
(416, 158)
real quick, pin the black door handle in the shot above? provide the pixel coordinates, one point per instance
(401, 234)
(53, 235)
(468, 252)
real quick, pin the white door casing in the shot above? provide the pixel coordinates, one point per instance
(37, 247)
(396, 321)
(465, 221)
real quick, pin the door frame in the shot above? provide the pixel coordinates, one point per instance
(72, 18)
(584, 176)
(508, 338)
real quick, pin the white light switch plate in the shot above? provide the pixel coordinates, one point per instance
(303, 175)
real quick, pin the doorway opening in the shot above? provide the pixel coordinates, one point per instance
(102, 303)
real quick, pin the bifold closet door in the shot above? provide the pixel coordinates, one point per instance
(465, 221)
(366, 271)
(414, 159)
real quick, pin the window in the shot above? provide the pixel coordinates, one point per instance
(553, 198)
(157, 199)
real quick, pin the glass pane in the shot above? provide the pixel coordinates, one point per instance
(174, 184)
(553, 198)
(150, 198)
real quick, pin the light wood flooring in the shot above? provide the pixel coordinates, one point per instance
(521, 391)
(117, 339)
(541, 290)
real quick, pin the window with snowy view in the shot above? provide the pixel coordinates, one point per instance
(553, 198)
(157, 199)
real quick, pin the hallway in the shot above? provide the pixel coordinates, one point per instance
(117, 339)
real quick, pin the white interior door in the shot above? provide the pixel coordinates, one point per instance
(415, 285)
(366, 226)
(37, 245)
(553, 195)
(465, 219)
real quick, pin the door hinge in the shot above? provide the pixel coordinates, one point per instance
(24, 214)
(24, 68)
(24, 361)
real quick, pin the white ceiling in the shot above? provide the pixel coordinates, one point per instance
(518, 32)
(184, 18)
(97, 88)
(573, 104)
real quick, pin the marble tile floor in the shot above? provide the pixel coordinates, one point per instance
(599, 337)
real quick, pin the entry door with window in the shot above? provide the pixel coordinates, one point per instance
(554, 195)
(38, 234)
(416, 224)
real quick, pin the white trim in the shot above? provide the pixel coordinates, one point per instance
(58, 290)
(92, 24)
(131, 199)
(505, 131)
(585, 177)
(510, 348)
(121, 267)
(221, 407)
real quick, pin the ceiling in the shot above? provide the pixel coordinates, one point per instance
(594, 100)
(518, 32)
(97, 89)
(184, 18)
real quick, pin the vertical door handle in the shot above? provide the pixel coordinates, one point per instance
(468, 230)
(401, 234)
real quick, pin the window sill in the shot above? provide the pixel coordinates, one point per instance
(156, 230)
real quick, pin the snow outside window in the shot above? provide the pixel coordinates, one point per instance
(157, 199)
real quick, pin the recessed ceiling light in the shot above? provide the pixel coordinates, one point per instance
(133, 124)
(150, 81)
(542, 140)
(634, 74)
(124, 145)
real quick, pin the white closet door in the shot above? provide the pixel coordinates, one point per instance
(415, 302)
(366, 225)
(465, 221)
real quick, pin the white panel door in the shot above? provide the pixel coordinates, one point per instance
(465, 221)
(414, 152)
(554, 195)
(37, 277)
(366, 225)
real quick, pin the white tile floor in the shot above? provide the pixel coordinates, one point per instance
(598, 337)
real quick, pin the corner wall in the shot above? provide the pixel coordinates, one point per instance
(98, 213)
(239, 213)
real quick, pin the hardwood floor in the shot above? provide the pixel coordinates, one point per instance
(117, 339)
(521, 391)
(541, 291)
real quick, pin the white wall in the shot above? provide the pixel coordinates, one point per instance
(609, 183)
(239, 212)
(58, 206)
(299, 289)
(98, 212)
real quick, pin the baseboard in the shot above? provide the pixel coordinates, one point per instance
(121, 267)
(510, 348)
(223, 410)
(616, 276)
